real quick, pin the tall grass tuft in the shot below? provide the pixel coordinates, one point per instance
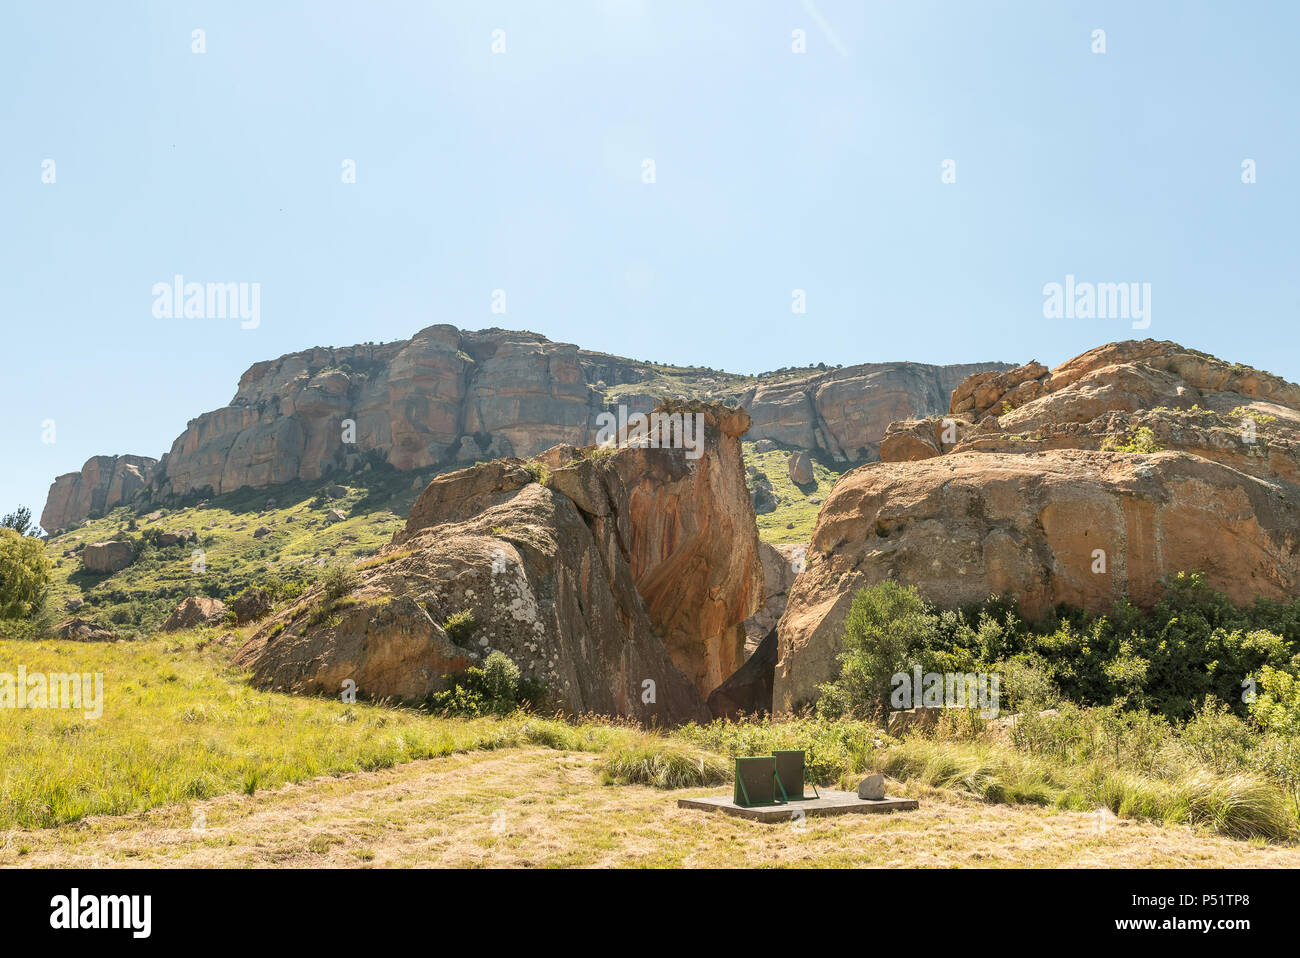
(662, 763)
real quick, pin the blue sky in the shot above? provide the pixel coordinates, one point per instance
(522, 171)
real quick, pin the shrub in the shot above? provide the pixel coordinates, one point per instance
(501, 681)
(1142, 441)
(887, 625)
(338, 581)
(1277, 705)
(24, 575)
(460, 626)
(496, 688)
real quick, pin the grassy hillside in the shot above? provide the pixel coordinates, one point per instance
(299, 542)
(796, 514)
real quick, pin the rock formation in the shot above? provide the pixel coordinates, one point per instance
(621, 581)
(103, 483)
(107, 557)
(447, 397)
(195, 611)
(779, 564)
(1082, 485)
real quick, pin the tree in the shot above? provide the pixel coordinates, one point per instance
(24, 575)
(21, 522)
(888, 629)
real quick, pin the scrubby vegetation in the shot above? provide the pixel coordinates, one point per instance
(24, 575)
(1194, 645)
(497, 688)
(1142, 440)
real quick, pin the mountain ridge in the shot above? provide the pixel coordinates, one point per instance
(448, 396)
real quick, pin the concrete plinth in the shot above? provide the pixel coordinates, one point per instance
(832, 802)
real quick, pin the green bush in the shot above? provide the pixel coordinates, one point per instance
(338, 581)
(1277, 703)
(886, 627)
(24, 575)
(460, 626)
(495, 689)
(1192, 647)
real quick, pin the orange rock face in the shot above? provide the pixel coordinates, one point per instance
(1084, 485)
(103, 483)
(621, 582)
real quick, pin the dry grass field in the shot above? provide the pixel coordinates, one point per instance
(528, 807)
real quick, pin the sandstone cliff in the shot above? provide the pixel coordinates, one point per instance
(621, 581)
(447, 397)
(1080, 485)
(103, 483)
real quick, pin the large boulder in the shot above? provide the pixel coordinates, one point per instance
(1130, 463)
(781, 563)
(193, 612)
(251, 605)
(82, 630)
(621, 584)
(799, 467)
(110, 556)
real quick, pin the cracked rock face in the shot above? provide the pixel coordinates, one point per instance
(103, 483)
(621, 583)
(1036, 499)
(447, 396)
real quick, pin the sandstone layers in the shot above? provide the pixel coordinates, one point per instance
(621, 581)
(447, 397)
(103, 483)
(1081, 485)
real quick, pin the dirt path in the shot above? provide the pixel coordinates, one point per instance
(525, 808)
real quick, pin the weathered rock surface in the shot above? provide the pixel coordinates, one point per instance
(749, 690)
(82, 630)
(447, 396)
(251, 605)
(1035, 501)
(195, 611)
(845, 412)
(113, 555)
(103, 483)
(799, 468)
(779, 564)
(621, 583)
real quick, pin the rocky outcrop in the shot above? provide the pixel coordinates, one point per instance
(107, 557)
(103, 483)
(749, 690)
(251, 605)
(447, 397)
(780, 563)
(620, 581)
(193, 612)
(1111, 472)
(845, 412)
(82, 630)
